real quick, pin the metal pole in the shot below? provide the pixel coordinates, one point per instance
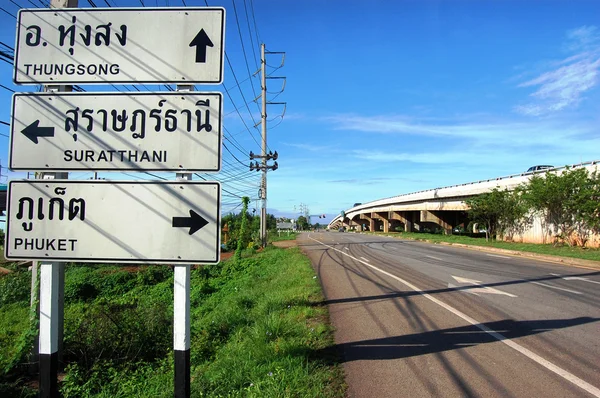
(181, 312)
(263, 210)
(52, 284)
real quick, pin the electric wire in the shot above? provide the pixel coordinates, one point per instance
(2, 8)
(243, 48)
(250, 34)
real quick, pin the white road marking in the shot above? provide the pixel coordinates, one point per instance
(495, 255)
(465, 280)
(364, 259)
(556, 287)
(575, 278)
(470, 291)
(517, 347)
(345, 248)
(480, 288)
(435, 258)
(579, 278)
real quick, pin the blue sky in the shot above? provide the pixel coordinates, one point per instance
(391, 97)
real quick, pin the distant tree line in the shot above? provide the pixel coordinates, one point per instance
(244, 228)
(567, 203)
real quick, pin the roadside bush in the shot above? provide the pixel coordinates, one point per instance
(120, 332)
(15, 287)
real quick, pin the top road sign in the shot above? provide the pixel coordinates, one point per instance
(120, 45)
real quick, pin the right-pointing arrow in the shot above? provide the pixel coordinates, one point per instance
(195, 222)
(34, 131)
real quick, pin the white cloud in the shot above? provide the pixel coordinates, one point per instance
(475, 133)
(308, 147)
(565, 85)
(582, 38)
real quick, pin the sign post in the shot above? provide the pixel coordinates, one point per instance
(173, 222)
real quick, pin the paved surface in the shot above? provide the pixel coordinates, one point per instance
(419, 320)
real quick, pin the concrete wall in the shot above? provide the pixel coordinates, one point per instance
(536, 234)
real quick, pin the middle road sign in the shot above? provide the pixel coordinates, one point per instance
(159, 131)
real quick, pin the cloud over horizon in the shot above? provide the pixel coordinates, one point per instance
(565, 84)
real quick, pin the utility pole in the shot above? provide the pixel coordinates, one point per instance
(263, 182)
(264, 156)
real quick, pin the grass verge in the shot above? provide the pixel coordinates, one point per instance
(272, 333)
(550, 250)
(279, 236)
(258, 329)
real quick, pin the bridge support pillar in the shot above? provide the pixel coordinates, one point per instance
(366, 220)
(384, 217)
(415, 222)
(403, 217)
(437, 218)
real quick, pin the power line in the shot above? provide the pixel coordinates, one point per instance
(240, 115)
(154, 175)
(2, 8)
(7, 46)
(243, 47)
(250, 34)
(238, 86)
(231, 153)
(7, 88)
(254, 20)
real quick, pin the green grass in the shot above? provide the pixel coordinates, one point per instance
(264, 334)
(278, 236)
(560, 251)
(258, 329)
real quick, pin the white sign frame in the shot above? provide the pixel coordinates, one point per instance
(179, 45)
(57, 131)
(96, 221)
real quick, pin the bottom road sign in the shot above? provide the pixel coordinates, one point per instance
(120, 222)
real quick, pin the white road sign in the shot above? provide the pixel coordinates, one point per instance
(160, 131)
(120, 45)
(107, 221)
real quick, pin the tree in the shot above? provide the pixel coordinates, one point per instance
(240, 243)
(302, 223)
(567, 203)
(271, 222)
(591, 213)
(502, 212)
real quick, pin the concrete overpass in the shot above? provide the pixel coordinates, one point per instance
(436, 208)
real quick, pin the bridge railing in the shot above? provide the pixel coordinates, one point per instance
(388, 201)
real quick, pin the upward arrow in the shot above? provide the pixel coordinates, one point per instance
(34, 131)
(201, 41)
(195, 222)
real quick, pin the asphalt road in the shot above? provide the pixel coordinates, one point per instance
(414, 319)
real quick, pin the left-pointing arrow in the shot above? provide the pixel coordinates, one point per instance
(34, 131)
(195, 222)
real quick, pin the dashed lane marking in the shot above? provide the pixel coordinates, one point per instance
(595, 391)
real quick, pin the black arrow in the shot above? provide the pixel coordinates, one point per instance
(201, 41)
(195, 222)
(34, 131)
